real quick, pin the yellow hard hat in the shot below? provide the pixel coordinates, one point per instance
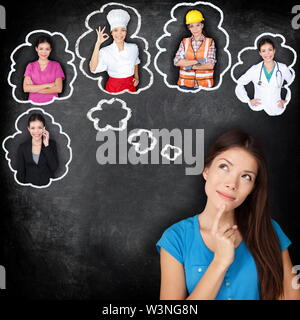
(193, 16)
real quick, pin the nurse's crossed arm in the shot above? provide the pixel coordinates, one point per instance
(56, 87)
(28, 86)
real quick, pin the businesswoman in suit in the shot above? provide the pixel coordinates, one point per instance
(37, 158)
(233, 249)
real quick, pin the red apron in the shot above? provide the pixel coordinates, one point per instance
(120, 84)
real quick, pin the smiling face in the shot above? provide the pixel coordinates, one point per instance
(230, 178)
(36, 129)
(196, 29)
(267, 52)
(43, 50)
(119, 34)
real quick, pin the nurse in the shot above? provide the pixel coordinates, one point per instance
(232, 250)
(43, 78)
(268, 77)
(196, 55)
(120, 59)
(37, 158)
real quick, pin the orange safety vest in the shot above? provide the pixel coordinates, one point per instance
(204, 78)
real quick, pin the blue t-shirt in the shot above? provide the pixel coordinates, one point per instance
(184, 242)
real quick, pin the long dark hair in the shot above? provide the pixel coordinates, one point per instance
(253, 217)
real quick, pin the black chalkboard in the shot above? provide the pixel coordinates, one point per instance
(92, 234)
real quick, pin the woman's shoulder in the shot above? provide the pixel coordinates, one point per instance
(255, 66)
(32, 64)
(54, 63)
(131, 46)
(25, 144)
(107, 48)
(283, 238)
(183, 225)
(282, 65)
(276, 225)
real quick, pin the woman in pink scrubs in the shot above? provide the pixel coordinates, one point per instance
(43, 77)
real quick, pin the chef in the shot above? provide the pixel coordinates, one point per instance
(120, 59)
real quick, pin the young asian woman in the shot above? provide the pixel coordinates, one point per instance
(196, 55)
(37, 158)
(232, 250)
(43, 78)
(120, 59)
(268, 77)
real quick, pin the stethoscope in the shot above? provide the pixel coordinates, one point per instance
(279, 85)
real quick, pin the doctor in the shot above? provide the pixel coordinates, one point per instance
(120, 59)
(268, 77)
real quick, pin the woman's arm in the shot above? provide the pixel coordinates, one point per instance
(57, 88)
(186, 63)
(173, 285)
(95, 57)
(180, 60)
(50, 152)
(28, 86)
(136, 79)
(240, 90)
(101, 37)
(289, 293)
(205, 66)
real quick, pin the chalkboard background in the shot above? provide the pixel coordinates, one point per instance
(92, 234)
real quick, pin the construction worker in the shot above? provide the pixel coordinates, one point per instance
(196, 55)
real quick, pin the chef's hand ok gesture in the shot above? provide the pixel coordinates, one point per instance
(101, 36)
(224, 239)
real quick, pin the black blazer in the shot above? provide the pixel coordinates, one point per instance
(38, 174)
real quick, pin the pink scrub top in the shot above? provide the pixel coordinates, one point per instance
(50, 74)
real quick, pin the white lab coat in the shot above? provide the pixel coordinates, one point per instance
(268, 92)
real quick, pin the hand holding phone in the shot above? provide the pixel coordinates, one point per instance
(45, 137)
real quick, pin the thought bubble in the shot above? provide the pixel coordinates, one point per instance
(175, 29)
(26, 50)
(99, 107)
(85, 44)
(10, 145)
(137, 145)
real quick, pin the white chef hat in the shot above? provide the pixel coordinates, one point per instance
(118, 18)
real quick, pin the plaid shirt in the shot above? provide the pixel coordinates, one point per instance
(211, 54)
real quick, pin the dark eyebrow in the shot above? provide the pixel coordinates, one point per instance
(226, 160)
(248, 171)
